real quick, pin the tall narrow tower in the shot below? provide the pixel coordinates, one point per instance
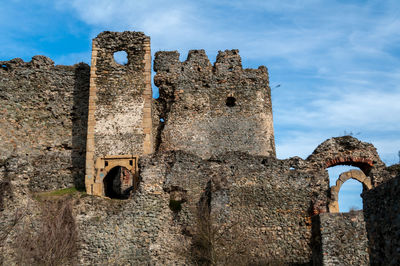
(119, 124)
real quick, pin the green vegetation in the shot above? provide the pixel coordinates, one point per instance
(56, 194)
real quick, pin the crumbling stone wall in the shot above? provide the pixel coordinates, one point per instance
(43, 122)
(214, 143)
(343, 239)
(272, 201)
(382, 216)
(143, 229)
(393, 170)
(212, 109)
(120, 120)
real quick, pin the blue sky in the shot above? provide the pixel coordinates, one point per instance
(337, 62)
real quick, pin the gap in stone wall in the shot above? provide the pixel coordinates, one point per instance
(121, 57)
(119, 183)
(349, 193)
(350, 196)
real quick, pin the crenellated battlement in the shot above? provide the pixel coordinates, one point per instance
(212, 109)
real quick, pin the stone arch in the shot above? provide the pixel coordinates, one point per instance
(348, 150)
(110, 167)
(334, 190)
(119, 183)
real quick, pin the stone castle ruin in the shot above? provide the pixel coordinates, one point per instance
(208, 140)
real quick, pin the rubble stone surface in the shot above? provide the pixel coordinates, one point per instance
(343, 239)
(382, 217)
(44, 122)
(213, 109)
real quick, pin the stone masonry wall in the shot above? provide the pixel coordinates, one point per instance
(271, 201)
(212, 109)
(343, 239)
(382, 217)
(43, 123)
(143, 230)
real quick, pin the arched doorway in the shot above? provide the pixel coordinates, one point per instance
(120, 183)
(349, 197)
(334, 190)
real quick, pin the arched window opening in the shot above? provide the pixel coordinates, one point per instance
(121, 57)
(347, 196)
(335, 171)
(120, 183)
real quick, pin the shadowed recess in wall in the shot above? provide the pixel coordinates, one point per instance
(79, 123)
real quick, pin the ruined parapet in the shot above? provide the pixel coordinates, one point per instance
(43, 122)
(213, 109)
(119, 121)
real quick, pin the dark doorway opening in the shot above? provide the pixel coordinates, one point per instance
(120, 183)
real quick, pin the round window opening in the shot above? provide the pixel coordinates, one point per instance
(230, 101)
(121, 57)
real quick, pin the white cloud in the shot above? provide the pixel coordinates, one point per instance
(375, 110)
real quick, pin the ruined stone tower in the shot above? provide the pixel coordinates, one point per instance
(119, 123)
(210, 109)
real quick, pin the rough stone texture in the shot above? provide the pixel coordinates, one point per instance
(343, 239)
(272, 200)
(142, 230)
(209, 110)
(43, 122)
(348, 150)
(120, 94)
(393, 170)
(382, 217)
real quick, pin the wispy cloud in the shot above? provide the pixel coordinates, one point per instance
(374, 109)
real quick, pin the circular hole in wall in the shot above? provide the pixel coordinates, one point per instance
(121, 57)
(230, 101)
